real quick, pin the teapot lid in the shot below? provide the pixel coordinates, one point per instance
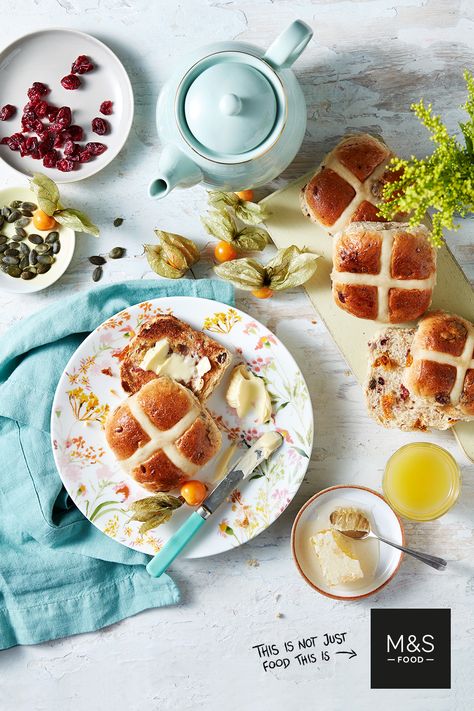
(229, 105)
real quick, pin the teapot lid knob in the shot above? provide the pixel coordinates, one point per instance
(230, 105)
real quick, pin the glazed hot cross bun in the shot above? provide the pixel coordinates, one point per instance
(442, 370)
(383, 271)
(348, 185)
(162, 434)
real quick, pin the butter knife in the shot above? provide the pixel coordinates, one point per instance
(258, 453)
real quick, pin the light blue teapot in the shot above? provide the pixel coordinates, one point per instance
(232, 116)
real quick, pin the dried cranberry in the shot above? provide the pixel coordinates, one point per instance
(14, 142)
(41, 109)
(100, 126)
(45, 145)
(50, 159)
(59, 139)
(82, 65)
(372, 384)
(85, 156)
(41, 88)
(442, 398)
(52, 112)
(96, 149)
(106, 108)
(381, 381)
(65, 165)
(64, 117)
(37, 126)
(75, 133)
(71, 82)
(404, 394)
(70, 148)
(31, 144)
(7, 111)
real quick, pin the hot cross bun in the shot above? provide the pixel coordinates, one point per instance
(348, 185)
(162, 434)
(383, 271)
(442, 370)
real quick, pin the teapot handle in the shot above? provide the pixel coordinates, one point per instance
(288, 45)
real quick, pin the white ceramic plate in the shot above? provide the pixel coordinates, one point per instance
(46, 56)
(90, 388)
(66, 236)
(379, 562)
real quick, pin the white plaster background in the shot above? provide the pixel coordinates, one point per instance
(368, 62)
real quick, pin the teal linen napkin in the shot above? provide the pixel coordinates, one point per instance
(59, 575)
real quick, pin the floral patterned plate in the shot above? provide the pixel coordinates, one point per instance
(90, 388)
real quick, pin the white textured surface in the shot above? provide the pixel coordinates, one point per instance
(369, 61)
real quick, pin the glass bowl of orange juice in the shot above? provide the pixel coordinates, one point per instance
(422, 481)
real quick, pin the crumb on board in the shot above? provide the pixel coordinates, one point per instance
(253, 563)
(279, 615)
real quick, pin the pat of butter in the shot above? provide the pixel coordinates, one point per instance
(175, 365)
(338, 563)
(246, 392)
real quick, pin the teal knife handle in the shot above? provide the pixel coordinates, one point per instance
(175, 545)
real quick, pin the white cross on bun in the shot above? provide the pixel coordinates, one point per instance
(348, 185)
(162, 434)
(385, 272)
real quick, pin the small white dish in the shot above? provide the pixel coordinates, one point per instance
(63, 259)
(379, 562)
(47, 56)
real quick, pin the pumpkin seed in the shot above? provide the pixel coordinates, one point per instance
(42, 248)
(4, 267)
(15, 204)
(6, 211)
(10, 252)
(56, 247)
(52, 237)
(2, 220)
(43, 268)
(26, 213)
(20, 231)
(10, 260)
(18, 237)
(26, 274)
(14, 216)
(24, 249)
(35, 239)
(29, 206)
(97, 260)
(118, 221)
(45, 259)
(22, 222)
(3, 239)
(23, 262)
(117, 253)
(33, 256)
(3, 247)
(14, 271)
(97, 274)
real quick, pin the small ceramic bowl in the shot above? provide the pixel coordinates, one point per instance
(46, 56)
(379, 562)
(63, 258)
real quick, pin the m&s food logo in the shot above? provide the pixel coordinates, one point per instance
(410, 649)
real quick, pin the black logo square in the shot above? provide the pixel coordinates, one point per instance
(410, 649)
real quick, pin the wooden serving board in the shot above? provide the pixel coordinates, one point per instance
(287, 225)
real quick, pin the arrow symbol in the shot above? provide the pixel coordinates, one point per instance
(351, 653)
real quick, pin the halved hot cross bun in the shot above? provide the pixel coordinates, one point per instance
(383, 271)
(348, 185)
(162, 434)
(442, 370)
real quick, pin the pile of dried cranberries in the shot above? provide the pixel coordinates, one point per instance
(48, 132)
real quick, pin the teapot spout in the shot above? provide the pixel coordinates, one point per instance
(174, 170)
